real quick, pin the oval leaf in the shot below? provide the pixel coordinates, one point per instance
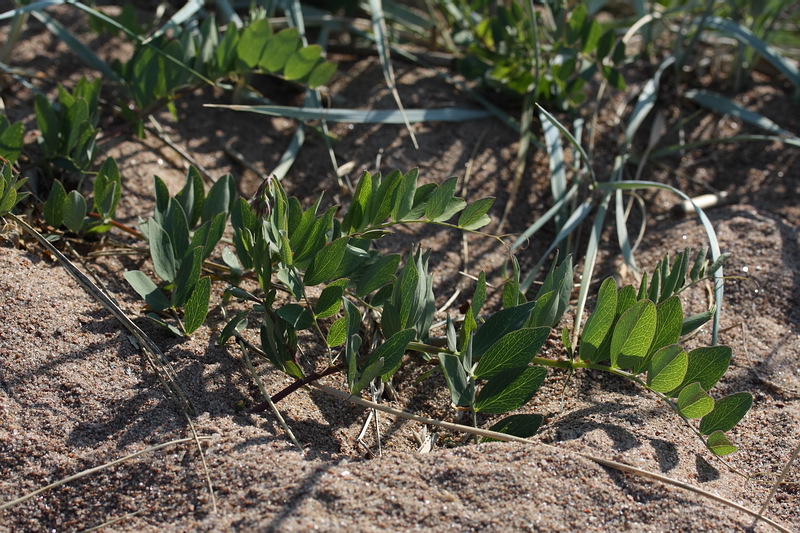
(147, 290)
(694, 402)
(667, 368)
(74, 211)
(599, 322)
(197, 306)
(514, 350)
(510, 390)
(727, 413)
(326, 262)
(474, 216)
(54, 206)
(706, 365)
(719, 444)
(633, 334)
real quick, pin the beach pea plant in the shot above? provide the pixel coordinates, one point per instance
(321, 279)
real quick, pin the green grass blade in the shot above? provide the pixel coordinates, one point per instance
(721, 104)
(710, 233)
(769, 53)
(363, 116)
(382, 42)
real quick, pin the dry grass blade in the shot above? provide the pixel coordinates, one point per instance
(382, 42)
(622, 467)
(155, 356)
(781, 478)
(95, 469)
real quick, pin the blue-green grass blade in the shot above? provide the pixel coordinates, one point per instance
(769, 53)
(645, 103)
(550, 118)
(189, 10)
(544, 219)
(709, 229)
(716, 102)
(83, 52)
(363, 116)
(570, 225)
(669, 150)
(555, 154)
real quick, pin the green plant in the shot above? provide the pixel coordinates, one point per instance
(10, 184)
(318, 272)
(11, 139)
(551, 53)
(69, 126)
(72, 209)
(181, 234)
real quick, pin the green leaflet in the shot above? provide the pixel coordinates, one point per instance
(669, 321)
(498, 325)
(147, 290)
(296, 315)
(329, 301)
(197, 305)
(667, 368)
(74, 211)
(694, 402)
(509, 390)
(633, 335)
(474, 216)
(337, 334)
(55, 205)
(706, 366)
(514, 350)
(377, 274)
(107, 189)
(461, 387)
(599, 323)
(326, 262)
(727, 412)
(187, 276)
(718, 443)
(161, 251)
(518, 425)
(391, 352)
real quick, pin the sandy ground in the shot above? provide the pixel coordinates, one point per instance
(75, 392)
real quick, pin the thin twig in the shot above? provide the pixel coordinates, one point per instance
(513, 438)
(92, 470)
